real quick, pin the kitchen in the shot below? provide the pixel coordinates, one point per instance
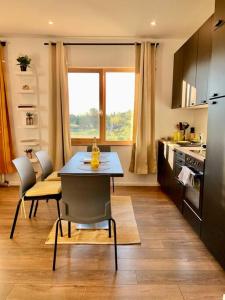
(191, 163)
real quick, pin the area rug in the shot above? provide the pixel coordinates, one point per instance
(127, 231)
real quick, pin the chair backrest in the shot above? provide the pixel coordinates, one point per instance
(45, 163)
(26, 173)
(102, 148)
(86, 199)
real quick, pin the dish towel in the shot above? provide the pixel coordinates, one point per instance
(186, 176)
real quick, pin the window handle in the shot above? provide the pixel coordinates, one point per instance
(100, 113)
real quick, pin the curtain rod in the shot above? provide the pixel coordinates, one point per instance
(100, 44)
(2, 43)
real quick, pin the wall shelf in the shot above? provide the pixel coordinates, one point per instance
(25, 73)
(26, 92)
(29, 127)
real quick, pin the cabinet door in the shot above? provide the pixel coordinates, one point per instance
(203, 61)
(219, 12)
(177, 79)
(213, 214)
(189, 70)
(217, 69)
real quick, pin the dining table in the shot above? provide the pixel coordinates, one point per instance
(79, 165)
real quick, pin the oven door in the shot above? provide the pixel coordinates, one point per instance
(193, 193)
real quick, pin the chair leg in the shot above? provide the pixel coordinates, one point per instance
(60, 225)
(31, 209)
(113, 186)
(115, 242)
(15, 219)
(36, 207)
(110, 231)
(69, 229)
(55, 246)
(46, 200)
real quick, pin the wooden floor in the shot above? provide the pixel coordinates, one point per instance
(171, 263)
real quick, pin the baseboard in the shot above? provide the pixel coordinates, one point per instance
(136, 184)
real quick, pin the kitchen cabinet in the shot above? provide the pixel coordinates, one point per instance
(177, 78)
(166, 174)
(219, 12)
(213, 213)
(217, 68)
(203, 61)
(189, 70)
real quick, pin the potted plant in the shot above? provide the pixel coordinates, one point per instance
(29, 118)
(23, 62)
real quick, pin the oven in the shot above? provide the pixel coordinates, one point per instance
(193, 193)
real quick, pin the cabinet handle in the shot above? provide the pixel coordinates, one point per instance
(214, 102)
(215, 95)
(203, 101)
(219, 23)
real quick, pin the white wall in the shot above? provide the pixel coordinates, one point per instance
(166, 118)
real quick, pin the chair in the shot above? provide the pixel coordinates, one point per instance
(103, 148)
(46, 166)
(30, 190)
(86, 200)
(47, 172)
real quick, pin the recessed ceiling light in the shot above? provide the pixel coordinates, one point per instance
(153, 23)
(50, 22)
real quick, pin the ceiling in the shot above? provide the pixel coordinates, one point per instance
(104, 18)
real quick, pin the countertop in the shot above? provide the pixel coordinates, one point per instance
(185, 150)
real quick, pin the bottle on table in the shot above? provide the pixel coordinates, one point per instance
(95, 155)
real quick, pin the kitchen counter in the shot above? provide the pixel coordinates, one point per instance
(186, 150)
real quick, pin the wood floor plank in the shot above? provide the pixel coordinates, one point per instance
(170, 264)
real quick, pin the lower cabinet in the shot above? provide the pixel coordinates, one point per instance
(167, 173)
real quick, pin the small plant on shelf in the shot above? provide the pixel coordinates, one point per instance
(29, 118)
(23, 62)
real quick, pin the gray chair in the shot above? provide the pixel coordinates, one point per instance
(86, 200)
(47, 172)
(103, 148)
(30, 190)
(46, 166)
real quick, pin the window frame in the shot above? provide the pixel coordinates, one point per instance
(102, 106)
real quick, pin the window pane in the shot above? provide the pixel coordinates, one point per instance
(84, 105)
(119, 105)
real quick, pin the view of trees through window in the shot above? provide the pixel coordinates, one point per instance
(86, 116)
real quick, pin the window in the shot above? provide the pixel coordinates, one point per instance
(101, 103)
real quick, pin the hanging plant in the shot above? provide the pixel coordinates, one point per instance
(23, 62)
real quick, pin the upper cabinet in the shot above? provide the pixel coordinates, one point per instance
(177, 78)
(193, 70)
(189, 71)
(203, 61)
(217, 68)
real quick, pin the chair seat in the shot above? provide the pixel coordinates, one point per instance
(53, 177)
(43, 188)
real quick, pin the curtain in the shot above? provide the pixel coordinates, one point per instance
(59, 133)
(143, 158)
(6, 151)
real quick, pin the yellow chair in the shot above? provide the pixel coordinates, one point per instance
(30, 190)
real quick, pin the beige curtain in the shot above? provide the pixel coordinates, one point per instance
(143, 159)
(6, 151)
(60, 143)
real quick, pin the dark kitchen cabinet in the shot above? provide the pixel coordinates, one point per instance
(213, 214)
(177, 78)
(217, 68)
(203, 61)
(189, 70)
(167, 173)
(219, 12)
